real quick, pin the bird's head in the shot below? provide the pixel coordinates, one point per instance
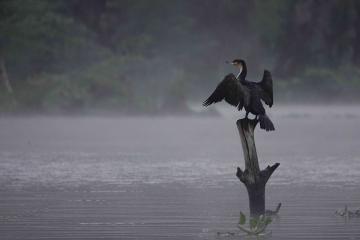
(241, 65)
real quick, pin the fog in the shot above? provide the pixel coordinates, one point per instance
(152, 57)
(174, 177)
(103, 134)
(319, 141)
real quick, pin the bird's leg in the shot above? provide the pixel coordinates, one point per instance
(246, 115)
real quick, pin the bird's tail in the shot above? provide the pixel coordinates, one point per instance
(266, 123)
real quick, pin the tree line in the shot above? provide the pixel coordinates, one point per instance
(152, 56)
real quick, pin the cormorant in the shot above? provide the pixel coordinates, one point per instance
(240, 93)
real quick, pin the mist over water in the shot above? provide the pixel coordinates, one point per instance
(174, 177)
(103, 135)
(315, 145)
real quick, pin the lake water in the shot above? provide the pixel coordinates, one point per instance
(174, 177)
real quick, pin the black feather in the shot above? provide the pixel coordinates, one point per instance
(241, 93)
(230, 90)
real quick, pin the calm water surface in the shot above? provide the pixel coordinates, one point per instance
(174, 177)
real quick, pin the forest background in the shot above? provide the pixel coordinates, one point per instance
(80, 56)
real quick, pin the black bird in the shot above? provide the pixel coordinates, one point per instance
(241, 93)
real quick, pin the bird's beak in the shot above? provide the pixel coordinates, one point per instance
(228, 62)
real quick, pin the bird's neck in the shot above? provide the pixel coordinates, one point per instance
(242, 73)
(240, 70)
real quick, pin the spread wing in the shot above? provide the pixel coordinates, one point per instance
(231, 90)
(267, 88)
(255, 103)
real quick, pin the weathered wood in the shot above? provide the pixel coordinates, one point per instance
(246, 130)
(272, 213)
(254, 179)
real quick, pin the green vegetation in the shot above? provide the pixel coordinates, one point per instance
(257, 226)
(149, 56)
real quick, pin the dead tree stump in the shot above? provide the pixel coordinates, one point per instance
(254, 179)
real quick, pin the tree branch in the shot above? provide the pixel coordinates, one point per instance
(267, 172)
(241, 175)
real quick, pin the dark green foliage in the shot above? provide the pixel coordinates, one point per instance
(150, 56)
